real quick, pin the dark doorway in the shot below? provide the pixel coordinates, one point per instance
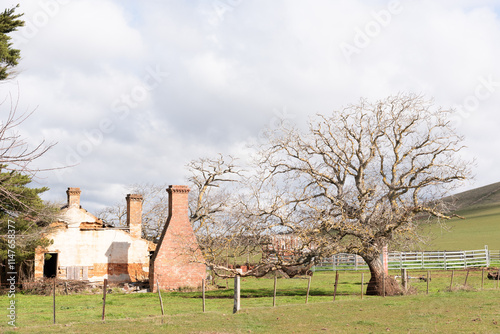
(50, 265)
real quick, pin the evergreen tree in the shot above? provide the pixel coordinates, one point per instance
(23, 214)
(9, 56)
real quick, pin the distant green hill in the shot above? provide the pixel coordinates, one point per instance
(480, 197)
(481, 226)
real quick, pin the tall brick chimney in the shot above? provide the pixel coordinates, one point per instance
(73, 197)
(134, 214)
(178, 261)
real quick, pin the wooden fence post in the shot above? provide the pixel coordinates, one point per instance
(336, 284)
(54, 300)
(237, 295)
(104, 288)
(308, 288)
(383, 284)
(274, 290)
(362, 279)
(498, 277)
(203, 293)
(428, 279)
(482, 279)
(451, 281)
(466, 277)
(159, 295)
(404, 279)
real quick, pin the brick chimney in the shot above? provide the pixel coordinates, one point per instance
(178, 204)
(134, 214)
(73, 197)
(178, 261)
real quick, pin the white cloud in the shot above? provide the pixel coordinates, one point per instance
(229, 73)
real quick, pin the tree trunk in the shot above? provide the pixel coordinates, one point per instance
(376, 285)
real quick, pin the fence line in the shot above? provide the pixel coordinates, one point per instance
(495, 255)
(349, 289)
(414, 260)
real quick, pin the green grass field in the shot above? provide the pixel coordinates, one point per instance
(471, 308)
(462, 310)
(481, 227)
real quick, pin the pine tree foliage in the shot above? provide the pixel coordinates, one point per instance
(22, 210)
(24, 217)
(9, 57)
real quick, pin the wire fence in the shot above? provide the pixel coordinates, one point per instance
(59, 308)
(495, 255)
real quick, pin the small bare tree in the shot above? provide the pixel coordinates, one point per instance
(208, 196)
(213, 208)
(360, 177)
(154, 209)
(18, 201)
(224, 218)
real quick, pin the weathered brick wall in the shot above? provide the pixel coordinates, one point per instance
(114, 272)
(119, 272)
(39, 257)
(178, 261)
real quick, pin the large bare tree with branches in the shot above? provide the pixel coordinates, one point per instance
(360, 177)
(356, 181)
(224, 212)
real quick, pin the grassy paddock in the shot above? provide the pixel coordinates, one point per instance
(463, 309)
(480, 227)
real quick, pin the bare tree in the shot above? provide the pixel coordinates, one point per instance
(154, 209)
(356, 181)
(18, 201)
(115, 215)
(228, 229)
(359, 178)
(213, 208)
(15, 152)
(208, 196)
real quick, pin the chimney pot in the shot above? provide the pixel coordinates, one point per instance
(73, 197)
(178, 204)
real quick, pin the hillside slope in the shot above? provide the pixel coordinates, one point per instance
(483, 196)
(481, 226)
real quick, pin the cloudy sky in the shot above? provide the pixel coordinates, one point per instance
(131, 91)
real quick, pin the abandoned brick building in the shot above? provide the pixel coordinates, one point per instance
(84, 248)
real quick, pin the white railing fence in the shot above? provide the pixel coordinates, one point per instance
(414, 260)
